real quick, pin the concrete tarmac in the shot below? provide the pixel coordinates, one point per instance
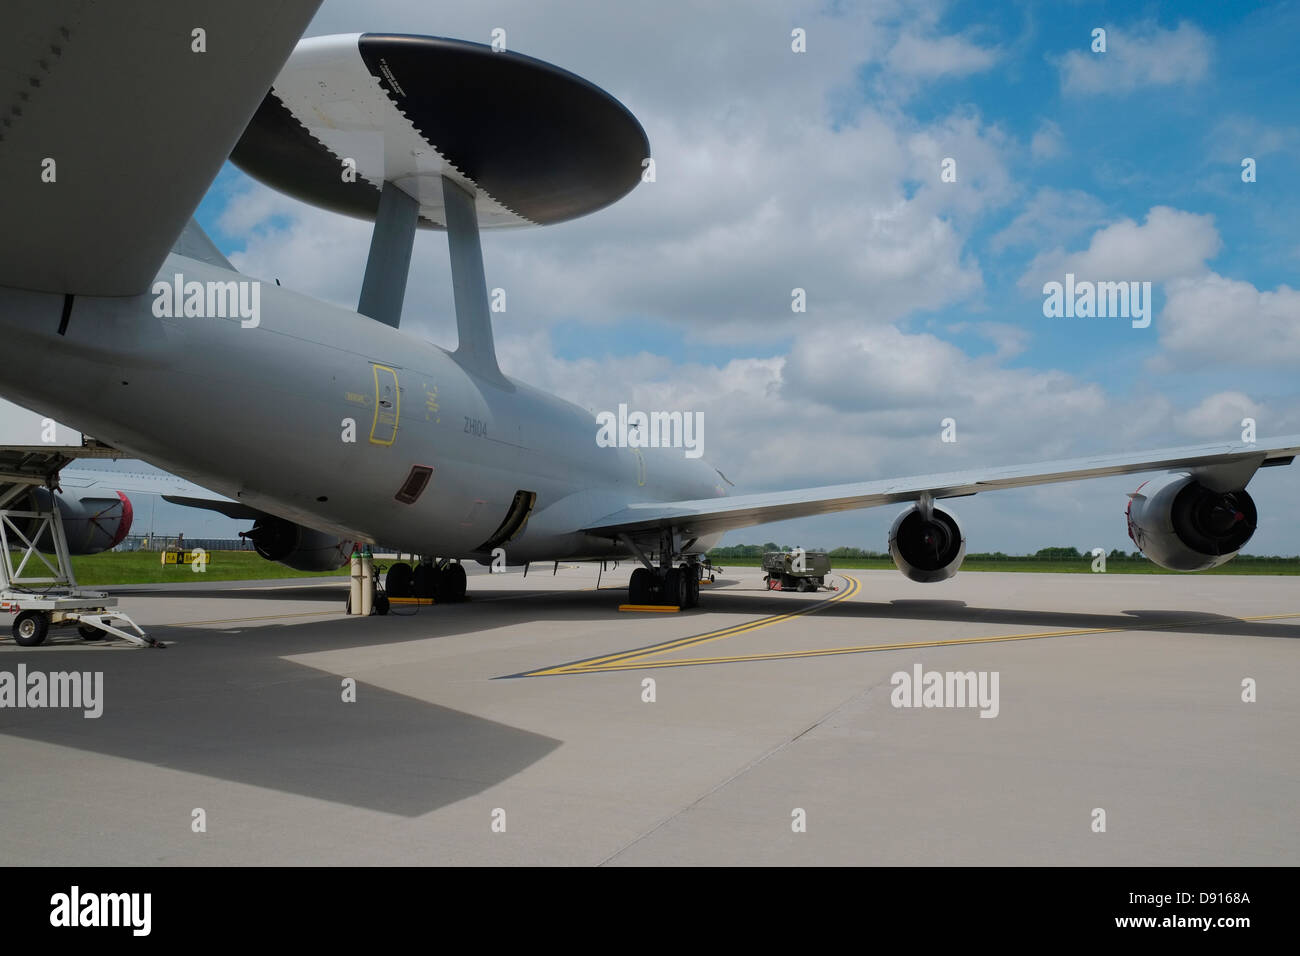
(518, 727)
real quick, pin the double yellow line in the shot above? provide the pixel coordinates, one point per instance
(637, 659)
(627, 660)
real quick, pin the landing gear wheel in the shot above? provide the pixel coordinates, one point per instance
(444, 591)
(638, 587)
(89, 632)
(425, 582)
(398, 580)
(453, 577)
(30, 628)
(675, 588)
(690, 586)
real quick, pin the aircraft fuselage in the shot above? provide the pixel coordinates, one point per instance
(317, 414)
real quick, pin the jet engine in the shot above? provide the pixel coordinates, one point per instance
(91, 524)
(300, 548)
(1184, 526)
(927, 549)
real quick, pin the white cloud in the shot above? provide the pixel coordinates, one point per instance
(1052, 215)
(318, 252)
(930, 58)
(1141, 56)
(1235, 137)
(1169, 244)
(1008, 340)
(1218, 416)
(980, 152)
(839, 406)
(1047, 141)
(1222, 320)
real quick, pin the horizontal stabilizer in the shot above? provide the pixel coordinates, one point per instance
(170, 487)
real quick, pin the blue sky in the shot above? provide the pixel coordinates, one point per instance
(821, 170)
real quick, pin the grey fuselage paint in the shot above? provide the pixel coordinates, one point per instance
(257, 414)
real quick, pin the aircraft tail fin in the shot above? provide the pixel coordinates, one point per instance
(194, 243)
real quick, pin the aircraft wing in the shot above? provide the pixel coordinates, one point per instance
(1223, 466)
(113, 124)
(173, 489)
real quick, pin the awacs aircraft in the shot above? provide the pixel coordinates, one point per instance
(119, 317)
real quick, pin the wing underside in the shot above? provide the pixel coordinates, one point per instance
(1223, 467)
(114, 120)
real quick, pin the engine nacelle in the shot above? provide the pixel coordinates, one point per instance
(927, 550)
(300, 548)
(1184, 526)
(91, 524)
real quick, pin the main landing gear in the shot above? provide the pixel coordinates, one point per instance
(664, 585)
(679, 587)
(442, 581)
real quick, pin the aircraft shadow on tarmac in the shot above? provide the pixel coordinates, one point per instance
(229, 705)
(553, 605)
(1206, 622)
(760, 602)
(334, 593)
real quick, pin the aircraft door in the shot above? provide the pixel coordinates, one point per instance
(388, 405)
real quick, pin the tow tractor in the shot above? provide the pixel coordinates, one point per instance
(40, 594)
(796, 570)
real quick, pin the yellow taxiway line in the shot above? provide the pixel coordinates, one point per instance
(636, 659)
(617, 661)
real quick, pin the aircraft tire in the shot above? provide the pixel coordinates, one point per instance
(425, 582)
(690, 586)
(675, 588)
(453, 579)
(398, 580)
(638, 587)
